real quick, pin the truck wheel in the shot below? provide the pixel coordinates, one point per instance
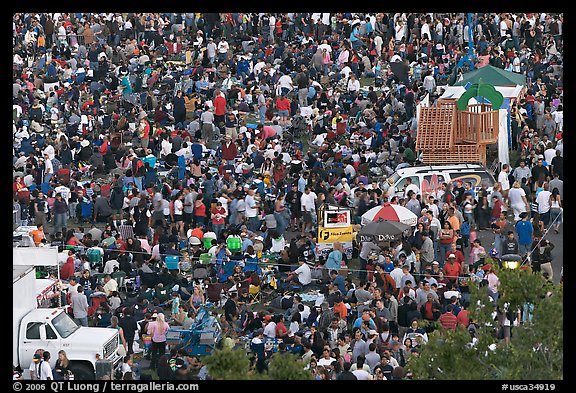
(82, 372)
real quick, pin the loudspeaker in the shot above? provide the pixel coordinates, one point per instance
(104, 370)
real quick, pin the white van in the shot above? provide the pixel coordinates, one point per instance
(429, 178)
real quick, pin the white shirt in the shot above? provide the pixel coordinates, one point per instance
(543, 200)
(166, 147)
(285, 81)
(325, 362)
(559, 119)
(49, 167)
(270, 330)
(516, 64)
(304, 274)
(503, 180)
(50, 151)
(549, 154)
(307, 201)
(223, 47)
(503, 28)
(397, 274)
(110, 265)
(325, 46)
(305, 313)
(178, 207)
(411, 187)
(353, 85)
(43, 369)
(346, 72)
(258, 67)
(362, 375)
(319, 140)
(28, 180)
(251, 210)
(64, 191)
(515, 195)
(211, 49)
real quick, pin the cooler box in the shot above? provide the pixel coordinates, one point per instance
(207, 242)
(171, 262)
(234, 243)
(205, 258)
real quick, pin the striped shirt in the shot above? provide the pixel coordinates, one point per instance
(126, 231)
(448, 320)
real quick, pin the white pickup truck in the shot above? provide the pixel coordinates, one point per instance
(52, 329)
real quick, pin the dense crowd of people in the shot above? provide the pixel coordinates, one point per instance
(141, 140)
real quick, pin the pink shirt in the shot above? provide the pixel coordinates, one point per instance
(267, 132)
(153, 330)
(493, 282)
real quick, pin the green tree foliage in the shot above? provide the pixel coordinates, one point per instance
(536, 348)
(284, 366)
(235, 364)
(228, 364)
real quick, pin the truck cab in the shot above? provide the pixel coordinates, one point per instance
(54, 329)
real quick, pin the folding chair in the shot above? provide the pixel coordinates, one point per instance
(99, 277)
(227, 270)
(214, 293)
(200, 272)
(243, 289)
(255, 293)
(120, 277)
(172, 262)
(252, 266)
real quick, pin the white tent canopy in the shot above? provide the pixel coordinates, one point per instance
(456, 92)
(35, 256)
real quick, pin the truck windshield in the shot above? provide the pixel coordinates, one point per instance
(65, 325)
(390, 181)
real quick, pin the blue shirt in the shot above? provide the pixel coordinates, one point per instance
(334, 260)
(301, 184)
(340, 283)
(245, 243)
(524, 230)
(358, 323)
(388, 267)
(355, 32)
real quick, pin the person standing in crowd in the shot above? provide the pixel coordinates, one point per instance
(157, 329)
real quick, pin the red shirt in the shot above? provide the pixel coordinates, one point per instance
(219, 106)
(229, 151)
(452, 270)
(200, 210)
(67, 270)
(459, 256)
(281, 329)
(448, 320)
(283, 104)
(218, 214)
(462, 318)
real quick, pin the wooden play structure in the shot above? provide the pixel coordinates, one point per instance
(447, 135)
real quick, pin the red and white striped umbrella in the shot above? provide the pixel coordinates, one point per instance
(390, 212)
